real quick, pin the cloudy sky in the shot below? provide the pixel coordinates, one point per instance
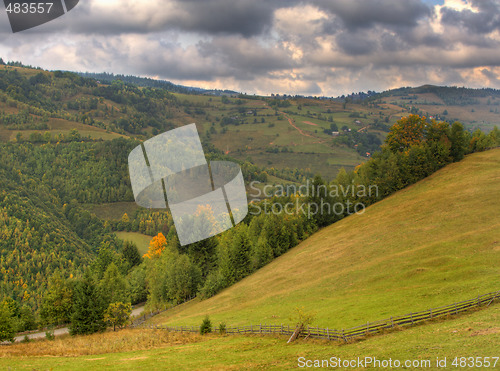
(315, 47)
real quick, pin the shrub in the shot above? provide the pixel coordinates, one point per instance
(222, 328)
(49, 335)
(206, 326)
(302, 318)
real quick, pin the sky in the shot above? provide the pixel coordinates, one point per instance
(315, 47)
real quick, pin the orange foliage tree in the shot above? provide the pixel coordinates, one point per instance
(156, 246)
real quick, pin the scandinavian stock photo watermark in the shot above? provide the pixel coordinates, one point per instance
(309, 199)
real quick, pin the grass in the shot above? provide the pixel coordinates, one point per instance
(141, 240)
(432, 244)
(473, 335)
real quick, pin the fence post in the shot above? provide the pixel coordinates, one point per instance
(392, 323)
(281, 331)
(411, 316)
(478, 301)
(430, 310)
(343, 336)
(260, 330)
(327, 333)
(456, 311)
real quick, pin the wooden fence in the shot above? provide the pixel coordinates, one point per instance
(353, 332)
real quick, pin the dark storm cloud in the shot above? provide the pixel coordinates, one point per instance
(208, 17)
(356, 43)
(245, 57)
(247, 18)
(365, 14)
(485, 20)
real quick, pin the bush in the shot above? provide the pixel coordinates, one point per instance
(222, 328)
(26, 339)
(302, 318)
(49, 335)
(206, 326)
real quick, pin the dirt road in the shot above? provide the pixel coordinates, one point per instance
(65, 330)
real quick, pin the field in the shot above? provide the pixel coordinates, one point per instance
(432, 244)
(140, 240)
(471, 335)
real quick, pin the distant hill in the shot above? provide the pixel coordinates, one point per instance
(281, 133)
(434, 243)
(108, 78)
(459, 96)
(476, 108)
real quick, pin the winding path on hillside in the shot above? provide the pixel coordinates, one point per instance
(290, 120)
(65, 330)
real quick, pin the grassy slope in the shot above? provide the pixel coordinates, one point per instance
(429, 245)
(141, 240)
(476, 334)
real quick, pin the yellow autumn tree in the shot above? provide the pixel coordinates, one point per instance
(156, 246)
(406, 132)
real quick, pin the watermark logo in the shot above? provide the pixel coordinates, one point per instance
(26, 14)
(204, 198)
(310, 200)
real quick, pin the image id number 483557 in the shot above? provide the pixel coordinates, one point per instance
(475, 362)
(29, 8)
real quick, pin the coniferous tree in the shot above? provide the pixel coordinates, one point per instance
(240, 251)
(88, 307)
(131, 254)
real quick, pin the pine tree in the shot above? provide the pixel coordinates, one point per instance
(131, 254)
(203, 254)
(240, 250)
(88, 308)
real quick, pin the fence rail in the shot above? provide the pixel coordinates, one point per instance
(353, 332)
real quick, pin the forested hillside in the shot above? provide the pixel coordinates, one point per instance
(65, 187)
